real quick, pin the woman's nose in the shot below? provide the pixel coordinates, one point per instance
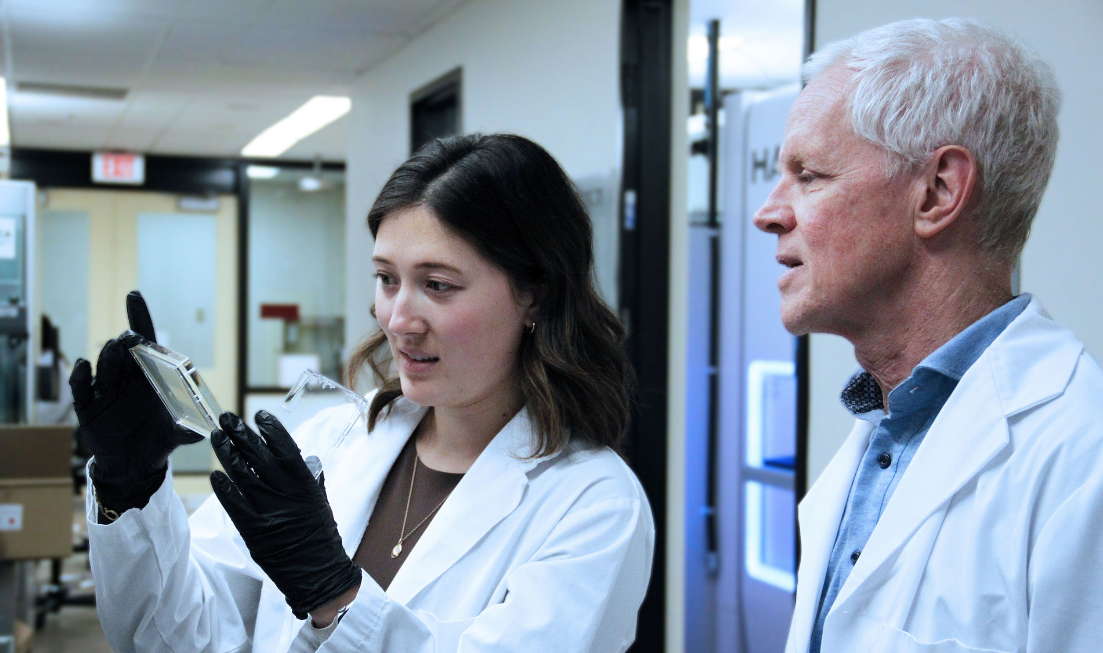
(405, 316)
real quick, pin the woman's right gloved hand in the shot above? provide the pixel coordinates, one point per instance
(127, 427)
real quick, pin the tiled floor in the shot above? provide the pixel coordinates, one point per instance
(72, 630)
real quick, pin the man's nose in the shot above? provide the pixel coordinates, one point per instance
(776, 216)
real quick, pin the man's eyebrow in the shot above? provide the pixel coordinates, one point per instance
(425, 265)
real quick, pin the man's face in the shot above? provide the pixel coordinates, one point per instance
(844, 228)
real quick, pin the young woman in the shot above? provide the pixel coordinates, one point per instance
(485, 509)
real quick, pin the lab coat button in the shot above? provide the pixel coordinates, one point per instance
(854, 557)
(884, 460)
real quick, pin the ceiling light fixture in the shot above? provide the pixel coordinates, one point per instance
(71, 90)
(318, 112)
(313, 182)
(261, 172)
(5, 131)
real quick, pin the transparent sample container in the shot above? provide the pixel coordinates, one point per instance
(177, 382)
(322, 412)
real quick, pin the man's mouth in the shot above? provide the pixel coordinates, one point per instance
(789, 261)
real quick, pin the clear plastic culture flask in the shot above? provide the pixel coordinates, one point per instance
(317, 402)
(180, 387)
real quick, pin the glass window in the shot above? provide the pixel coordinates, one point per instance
(296, 277)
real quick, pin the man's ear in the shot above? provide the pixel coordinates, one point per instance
(949, 178)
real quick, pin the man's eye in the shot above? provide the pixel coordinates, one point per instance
(807, 176)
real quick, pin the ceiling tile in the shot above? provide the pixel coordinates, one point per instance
(268, 81)
(205, 76)
(378, 17)
(112, 53)
(60, 138)
(348, 52)
(133, 140)
(195, 41)
(100, 9)
(198, 142)
(237, 12)
(153, 110)
(178, 76)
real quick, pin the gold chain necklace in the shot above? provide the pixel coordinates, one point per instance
(397, 550)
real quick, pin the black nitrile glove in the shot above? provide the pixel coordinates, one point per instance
(281, 512)
(124, 422)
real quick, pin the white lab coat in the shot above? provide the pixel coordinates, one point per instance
(993, 540)
(551, 554)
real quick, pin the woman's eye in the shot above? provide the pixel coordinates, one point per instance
(438, 286)
(384, 278)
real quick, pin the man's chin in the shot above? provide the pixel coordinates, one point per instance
(796, 321)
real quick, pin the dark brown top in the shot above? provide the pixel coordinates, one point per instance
(385, 526)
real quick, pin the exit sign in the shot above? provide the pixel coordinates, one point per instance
(116, 168)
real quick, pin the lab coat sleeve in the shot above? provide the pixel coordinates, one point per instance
(1066, 575)
(579, 593)
(162, 585)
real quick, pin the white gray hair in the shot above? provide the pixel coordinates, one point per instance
(921, 84)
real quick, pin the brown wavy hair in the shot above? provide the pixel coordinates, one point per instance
(509, 199)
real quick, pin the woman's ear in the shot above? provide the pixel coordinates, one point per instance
(949, 179)
(531, 300)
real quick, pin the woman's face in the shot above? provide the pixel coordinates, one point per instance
(453, 320)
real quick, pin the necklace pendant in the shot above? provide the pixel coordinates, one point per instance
(397, 550)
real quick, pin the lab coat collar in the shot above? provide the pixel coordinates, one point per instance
(1029, 363)
(488, 492)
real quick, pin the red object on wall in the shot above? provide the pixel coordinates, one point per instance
(289, 312)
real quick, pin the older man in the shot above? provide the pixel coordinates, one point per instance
(965, 511)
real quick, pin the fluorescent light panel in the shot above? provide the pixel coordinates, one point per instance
(261, 172)
(5, 131)
(318, 112)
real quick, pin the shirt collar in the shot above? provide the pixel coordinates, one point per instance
(862, 395)
(955, 358)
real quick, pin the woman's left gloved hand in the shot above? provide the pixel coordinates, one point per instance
(281, 512)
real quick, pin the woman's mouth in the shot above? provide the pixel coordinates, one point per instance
(417, 361)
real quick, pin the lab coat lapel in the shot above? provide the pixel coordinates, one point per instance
(970, 431)
(361, 466)
(1030, 362)
(819, 514)
(488, 492)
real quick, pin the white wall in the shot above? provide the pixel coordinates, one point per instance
(545, 70)
(1063, 261)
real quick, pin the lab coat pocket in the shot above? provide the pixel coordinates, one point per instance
(893, 640)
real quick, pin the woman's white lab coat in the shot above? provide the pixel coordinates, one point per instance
(993, 540)
(551, 554)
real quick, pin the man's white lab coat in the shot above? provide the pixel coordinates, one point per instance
(551, 554)
(993, 540)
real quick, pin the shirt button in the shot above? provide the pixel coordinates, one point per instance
(854, 557)
(884, 460)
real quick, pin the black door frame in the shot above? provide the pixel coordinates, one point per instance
(647, 38)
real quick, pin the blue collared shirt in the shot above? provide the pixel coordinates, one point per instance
(913, 406)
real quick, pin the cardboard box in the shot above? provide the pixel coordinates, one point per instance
(36, 492)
